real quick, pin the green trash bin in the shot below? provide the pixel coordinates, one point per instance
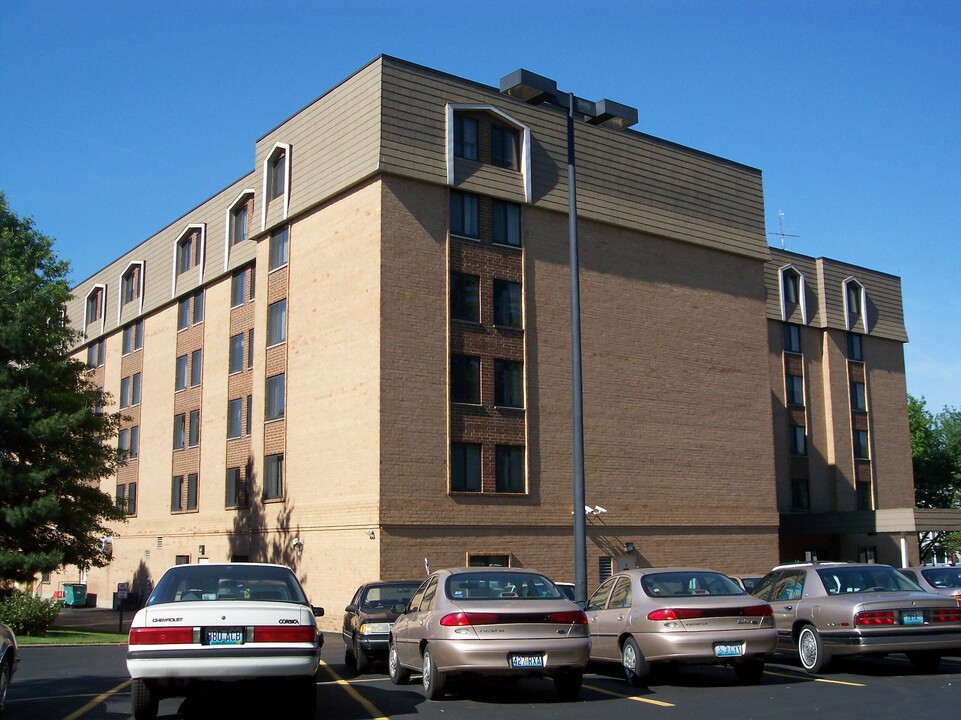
(75, 595)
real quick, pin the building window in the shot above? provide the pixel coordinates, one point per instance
(279, 242)
(854, 347)
(135, 389)
(792, 338)
(180, 430)
(180, 378)
(861, 444)
(95, 354)
(196, 367)
(865, 497)
(124, 392)
(277, 179)
(509, 462)
(183, 313)
(800, 496)
(464, 297)
(123, 444)
(198, 307)
(273, 477)
(791, 287)
(189, 251)
(250, 348)
(127, 498)
(133, 337)
(506, 223)
(795, 389)
(465, 137)
(276, 322)
(193, 439)
(275, 397)
(235, 411)
(250, 414)
(504, 147)
(507, 304)
(238, 224)
(463, 215)
(177, 493)
(605, 568)
(129, 285)
(238, 288)
(797, 443)
(465, 379)
(235, 356)
(236, 488)
(857, 397)
(94, 305)
(853, 302)
(192, 491)
(465, 467)
(133, 451)
(509, 383)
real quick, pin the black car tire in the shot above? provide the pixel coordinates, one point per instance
(144, 701)
(568, 684)
(636, 667)
(814, 656)
(6, 673)
(434, 680)
(399, 675)
(348, 657)
(361, 660)
(749, 671)
(925, 661)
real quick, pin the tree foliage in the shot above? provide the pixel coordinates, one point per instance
(936, 455)
(54, 448)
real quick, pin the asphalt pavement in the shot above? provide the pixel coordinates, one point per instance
(99, 619)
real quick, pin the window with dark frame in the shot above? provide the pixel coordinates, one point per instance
(795, 389)
(858, 401)
(124, 392)
(192, 487)
(464, 297)
(250, 349)
(865, 498)
(235, 354)
(278, 171)
(198, 302)
(193, 439)
(180, 431)
(465, 379)
(800, 494)
(133, 451)
(465, 467)
(123, 444)
(183, 313)
(509, 383)
(861, 444)
(236, 488)
(465, 137)
(504, 147)
(854, 347)
(792, 338)
(279, 242)
(792, 287)
(464, 215)
(238, 224)
(507, 304)
(180, 377)
(132, 337)
(135, 389)
(250, 414)
(185, 253)
(274, 408)
(274, 476)
(238, 286)
(196, 367)
(277, 322)
(509, 464)
(235, 411)
(94, 305)
(177, 493)
(506, 223)
(797, 441)
(130, 288)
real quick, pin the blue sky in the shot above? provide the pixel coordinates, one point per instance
(120, 116)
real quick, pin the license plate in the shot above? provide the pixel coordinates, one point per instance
(912, 617)
(728, 650)
(527, 661)
(224, 636)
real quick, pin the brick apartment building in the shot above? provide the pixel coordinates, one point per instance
(356, 358)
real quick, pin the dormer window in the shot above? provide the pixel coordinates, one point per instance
(188, 251)
(278, 178)
(94, 305)
(238, 228)
(504, 147)
(792, 295)
(486, 134)
(854, 297)
(792, 283)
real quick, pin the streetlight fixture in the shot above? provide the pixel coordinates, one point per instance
(536, 89)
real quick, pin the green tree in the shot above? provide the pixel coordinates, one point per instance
(936, 456)
(55, 444)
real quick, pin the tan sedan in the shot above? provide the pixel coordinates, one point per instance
(489, 621)
(679, 615)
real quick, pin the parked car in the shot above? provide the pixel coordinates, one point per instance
(823, 610)
(489, 621)
(9, 659)
(640, 618)
(369, 617)
(567, 588)
(224, 623)
(940, 580)
(746, 581)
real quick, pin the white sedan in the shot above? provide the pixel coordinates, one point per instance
(224, 622)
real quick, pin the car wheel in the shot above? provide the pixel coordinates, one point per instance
(361, 660)
(636, 667)
(304, 697)
(399, 675)
(568, 684)
(144, 702)
(749, 671)
(811, 650)
(348, 656)
(434, 680)
(6, 672)
(925, 661)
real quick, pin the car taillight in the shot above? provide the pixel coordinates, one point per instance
(666, 614)
(943, 615)
(161, 636)
(572, 617)
(875, 617)
(759, 611)
(662, 614)
(292, 634)
(463, 619)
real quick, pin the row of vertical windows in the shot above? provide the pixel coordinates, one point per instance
(126, 498)
(465, 472)
(184, 489)
(187, 433)
(465, 219)
(279, 249)
(465, 386)
(183, 492)
(235, 354)
(96, 352)
(503, 142)
(465, 300)
(130, 390)
(189, 252)
(195, 368)
(132, 337)
(235, 416)
(238, 287)
(128, 443)
(190, 310)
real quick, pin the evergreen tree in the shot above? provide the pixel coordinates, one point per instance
(55, 444)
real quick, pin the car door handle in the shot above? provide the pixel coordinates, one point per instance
(788, 607)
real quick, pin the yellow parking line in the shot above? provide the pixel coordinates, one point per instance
(371, 709)
(815, 679)
(96, 701)
(636, 698)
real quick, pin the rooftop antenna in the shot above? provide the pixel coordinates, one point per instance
(780, 229)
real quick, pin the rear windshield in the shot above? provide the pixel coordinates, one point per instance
(501, 586)
(864, 578)
(384, 597)
(948, 577)
(193, 583)
(689, 582)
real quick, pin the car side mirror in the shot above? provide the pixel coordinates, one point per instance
(351, 608)
(400, 608)
(318, 611)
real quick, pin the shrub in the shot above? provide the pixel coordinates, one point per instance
(27, 615)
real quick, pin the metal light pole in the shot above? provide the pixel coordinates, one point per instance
(536, 89)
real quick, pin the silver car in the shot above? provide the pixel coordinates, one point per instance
(679, 615)
(940, 580)
(501, 622)
(823, 610)
(9, 659)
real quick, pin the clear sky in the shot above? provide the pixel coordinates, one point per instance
(117, 117)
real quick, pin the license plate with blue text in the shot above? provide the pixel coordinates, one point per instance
(224, 636)
(728, 650)
(912, 617)
(527, 661)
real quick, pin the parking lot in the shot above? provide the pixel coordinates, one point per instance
(71, 683)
